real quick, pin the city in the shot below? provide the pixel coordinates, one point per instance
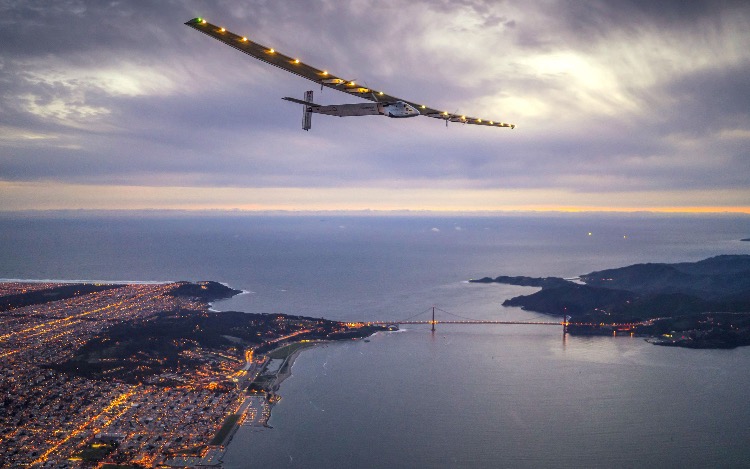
(70, 402)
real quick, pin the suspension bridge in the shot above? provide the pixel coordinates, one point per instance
(458, 319)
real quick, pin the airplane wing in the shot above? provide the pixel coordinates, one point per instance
(324, 77)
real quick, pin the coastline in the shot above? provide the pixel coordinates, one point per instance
(260, 393)
(270, 397)
(286, 368)
(700, 304)
(241, 292)
(253, 411)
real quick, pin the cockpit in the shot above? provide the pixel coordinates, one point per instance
(400, 109)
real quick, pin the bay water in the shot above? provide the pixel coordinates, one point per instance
(465, 396)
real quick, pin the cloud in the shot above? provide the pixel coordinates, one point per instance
(618, 99)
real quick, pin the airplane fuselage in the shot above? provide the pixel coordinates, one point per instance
(398, 109)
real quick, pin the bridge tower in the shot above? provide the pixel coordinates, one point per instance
(433, 319)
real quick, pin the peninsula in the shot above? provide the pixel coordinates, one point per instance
(139, 375)
(703, 304)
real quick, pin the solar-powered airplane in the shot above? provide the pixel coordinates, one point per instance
(382, 103)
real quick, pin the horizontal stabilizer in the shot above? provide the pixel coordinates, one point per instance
(299, 101)
(349, 110)
(341, 110)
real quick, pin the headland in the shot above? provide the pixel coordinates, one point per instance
(704, 304)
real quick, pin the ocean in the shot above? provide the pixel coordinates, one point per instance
(466, 396)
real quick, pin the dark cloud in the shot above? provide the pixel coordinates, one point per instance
(708, 100)
(593, 20)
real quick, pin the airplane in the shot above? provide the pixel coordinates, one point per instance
(382, 104)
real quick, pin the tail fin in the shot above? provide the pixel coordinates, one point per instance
(307, 112)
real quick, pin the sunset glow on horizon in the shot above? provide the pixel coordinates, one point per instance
(17, 197)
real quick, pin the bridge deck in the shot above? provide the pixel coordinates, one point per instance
(531, 323)
(468, 322)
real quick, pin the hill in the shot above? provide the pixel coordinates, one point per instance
(664, 298)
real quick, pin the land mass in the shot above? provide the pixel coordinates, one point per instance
(703, 304)
(139, 375)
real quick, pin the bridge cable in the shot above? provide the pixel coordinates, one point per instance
(456, 315)
(418, 314)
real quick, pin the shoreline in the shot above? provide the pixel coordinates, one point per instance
(241, 292)
(285, 371)
(270, 397)
(214, 456)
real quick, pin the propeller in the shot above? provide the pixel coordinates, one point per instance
(448, 118)
(372, 92)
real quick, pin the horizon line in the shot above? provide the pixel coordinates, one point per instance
(566, 210)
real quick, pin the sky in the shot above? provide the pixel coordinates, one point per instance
(630, 105)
